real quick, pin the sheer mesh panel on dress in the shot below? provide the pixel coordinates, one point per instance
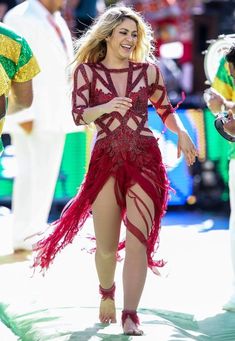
(139, 82)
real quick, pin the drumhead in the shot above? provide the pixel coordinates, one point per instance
(219, 126)
(216, 50)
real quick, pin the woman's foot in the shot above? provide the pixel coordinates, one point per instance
(107, 311)
(130, 323)
(107, 305)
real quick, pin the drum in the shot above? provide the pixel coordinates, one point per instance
(219, 122)
(216, 50)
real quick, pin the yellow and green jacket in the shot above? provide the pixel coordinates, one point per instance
(4, 87)
(224, 84)
(17, 60)
(4, 81)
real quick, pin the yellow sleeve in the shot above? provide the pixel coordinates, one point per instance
(4, 81)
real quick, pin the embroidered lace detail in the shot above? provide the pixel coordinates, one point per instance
(124, 144)
(94, 84)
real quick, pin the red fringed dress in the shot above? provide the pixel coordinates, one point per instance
(125, 149)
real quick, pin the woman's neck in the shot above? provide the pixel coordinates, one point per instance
(114, 63)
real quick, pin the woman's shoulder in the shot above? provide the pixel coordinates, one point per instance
(153, 72)
(88, 67)
(84, 65)
(84, 69)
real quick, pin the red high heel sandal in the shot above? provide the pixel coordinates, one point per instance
(133, 328)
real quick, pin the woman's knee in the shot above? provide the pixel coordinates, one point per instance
(134, 246)
(106, 253)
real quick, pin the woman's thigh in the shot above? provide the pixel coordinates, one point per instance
(140, 214)
(107, 218)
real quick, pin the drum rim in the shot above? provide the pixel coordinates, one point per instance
(219, 126)
(226, 41)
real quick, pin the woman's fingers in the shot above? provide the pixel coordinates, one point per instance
(191, 155)
(189, 150)
(123, 102)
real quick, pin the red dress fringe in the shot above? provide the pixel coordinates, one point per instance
(131, 159)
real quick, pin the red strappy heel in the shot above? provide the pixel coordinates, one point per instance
(132, 315)
(107, 305)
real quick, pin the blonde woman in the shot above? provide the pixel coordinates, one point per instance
(114, 78)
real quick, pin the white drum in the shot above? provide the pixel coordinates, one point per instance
(216, 50)
(214, 53)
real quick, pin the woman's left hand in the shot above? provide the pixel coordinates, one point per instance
(186, 146)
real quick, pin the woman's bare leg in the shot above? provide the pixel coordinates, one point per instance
(135, 266)
(107, 222)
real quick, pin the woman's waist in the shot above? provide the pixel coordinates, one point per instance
(125, 139)
(123, 132)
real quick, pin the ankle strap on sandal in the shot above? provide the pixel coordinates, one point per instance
(107, 293)
(132, 314)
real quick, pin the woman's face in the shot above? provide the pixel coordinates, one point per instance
(123, 40)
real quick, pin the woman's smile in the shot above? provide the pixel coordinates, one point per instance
(121, 43)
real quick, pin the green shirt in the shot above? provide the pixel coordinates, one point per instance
(224, 84)
(16, 58)
(4, 85)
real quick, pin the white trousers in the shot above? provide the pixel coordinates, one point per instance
(232, 214)
(38, 157)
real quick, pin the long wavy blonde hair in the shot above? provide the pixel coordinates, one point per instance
(91, 47)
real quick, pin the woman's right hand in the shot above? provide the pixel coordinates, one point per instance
(117, 104)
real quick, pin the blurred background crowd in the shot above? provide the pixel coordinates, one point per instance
(184, 30)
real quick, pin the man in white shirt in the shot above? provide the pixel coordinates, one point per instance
(39, 147)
